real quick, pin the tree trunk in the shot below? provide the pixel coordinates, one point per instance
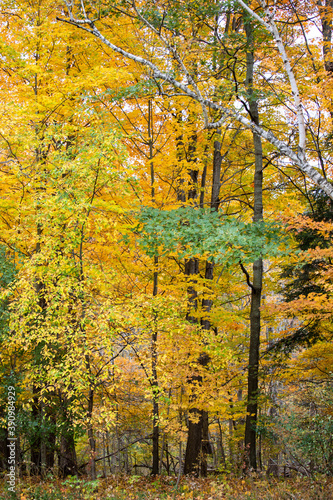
(155, 388)
(325, 11)
(195, 424)
(91, 437)
(194, 436)
(154, 351)
(194, 440)
(198, 445)
(35, 437)
(92, 444)
(220, 443)
(256, 288)
(50, 449)
(3, 447)
(67, 455)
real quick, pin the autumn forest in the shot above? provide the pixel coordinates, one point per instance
(166, 248)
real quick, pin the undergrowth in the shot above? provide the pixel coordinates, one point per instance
(255, 487)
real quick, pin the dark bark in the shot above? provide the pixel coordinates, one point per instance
(67, 461)
(198, 445)
(48, 439)
(154, 352)
(67, 454)
(36, 444)
(191, 269)
(3, 448)
(214, 203)
(194, 440)
(195, 424)
(92, 444)
(91, 437)
(252, 402)
(216, 183)
(167, 458)
(223, 458)
(194, 436)
(155, 388)
(50, 450)
(35, 436)
(193, 173)
(256, 288)
(203, 182)
(325, 10)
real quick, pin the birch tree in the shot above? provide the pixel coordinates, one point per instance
(167, 64)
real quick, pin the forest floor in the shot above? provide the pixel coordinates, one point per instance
(165, 488)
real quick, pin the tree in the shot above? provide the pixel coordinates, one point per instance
(256, 286)
(160, 22)
(306, 291)
(132, 200)
(52, 174)
(171, 35)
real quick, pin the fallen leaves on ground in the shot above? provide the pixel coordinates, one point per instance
(125, 487)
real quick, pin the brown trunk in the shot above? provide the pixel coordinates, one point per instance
(154, 352)
(36, 445)
(48, 438)
(50, 449)
(256, 287)
(91, 437)
(194, 440)
(252, 403)
(155, 388)
(220, 442)
(156, 431)
(67, 455)
(198, 445)
(35, 437)
(325, 11)
(67, 461)
(194, 436)
(92, 463)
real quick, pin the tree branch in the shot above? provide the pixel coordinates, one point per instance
(296, 158)
(247, 276)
